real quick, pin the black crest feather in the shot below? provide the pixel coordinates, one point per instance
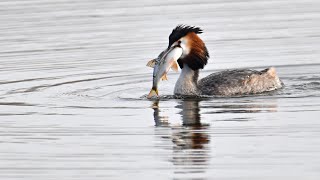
(198, 56)
(181, 31)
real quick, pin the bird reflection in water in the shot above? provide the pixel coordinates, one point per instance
(189, 141)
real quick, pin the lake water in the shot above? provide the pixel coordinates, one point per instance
(73, 78)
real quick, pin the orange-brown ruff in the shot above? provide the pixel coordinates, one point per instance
(198, 55)
(225, 83)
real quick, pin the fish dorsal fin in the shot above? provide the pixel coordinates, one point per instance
(174, 66)
(151, 63)
(164, 77)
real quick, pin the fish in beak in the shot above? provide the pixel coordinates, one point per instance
(162, 64)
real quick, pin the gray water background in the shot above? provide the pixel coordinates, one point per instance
(73, 78)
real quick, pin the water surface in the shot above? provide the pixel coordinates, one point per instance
(73, 74)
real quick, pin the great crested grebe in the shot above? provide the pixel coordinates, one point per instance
(225, 83)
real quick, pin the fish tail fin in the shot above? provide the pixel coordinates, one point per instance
(153, 92)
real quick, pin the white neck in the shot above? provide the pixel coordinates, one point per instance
(187, 82)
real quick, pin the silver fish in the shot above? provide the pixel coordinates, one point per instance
(162, 64)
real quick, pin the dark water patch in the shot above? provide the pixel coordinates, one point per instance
(16, 104)
(59, 114)
(40, 51)
(241, 108)
(307, 86)
(26, 80)
(18, 114)
(99, 107)
(309, 78)
(42, 87)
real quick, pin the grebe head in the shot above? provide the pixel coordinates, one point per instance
(195, 53)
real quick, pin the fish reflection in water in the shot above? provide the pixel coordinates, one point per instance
(190, 153)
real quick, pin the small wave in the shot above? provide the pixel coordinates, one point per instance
(307, 86)
(188, 97)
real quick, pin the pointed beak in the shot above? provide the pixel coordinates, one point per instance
(170, 49)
